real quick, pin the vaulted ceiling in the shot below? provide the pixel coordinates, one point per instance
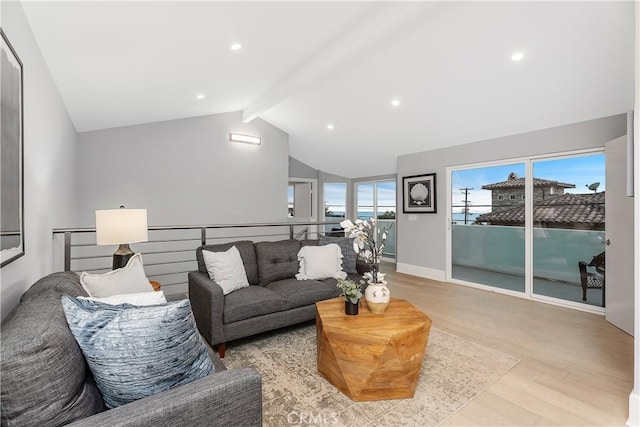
(306, 65)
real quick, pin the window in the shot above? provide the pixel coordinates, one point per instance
(501, 197)
(523, 197)
(378, 199)
(335, 201)
(512, 197)
(290, 204)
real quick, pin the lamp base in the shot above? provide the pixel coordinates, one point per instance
(121, 256)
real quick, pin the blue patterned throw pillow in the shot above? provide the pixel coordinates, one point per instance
(135, 352)
(349, 255)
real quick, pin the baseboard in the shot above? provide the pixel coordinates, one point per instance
(426, 272)
(634, 409)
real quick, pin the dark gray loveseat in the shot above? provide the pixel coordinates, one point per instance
(274, 298)
(46, 382)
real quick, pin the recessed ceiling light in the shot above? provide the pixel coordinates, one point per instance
(236, 46)
(199, 96)
(330, 126)
(395, 102)
(517, 56)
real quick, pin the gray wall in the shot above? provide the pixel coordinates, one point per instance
(297, 169)
(422, 243)
(49, 162)
(185, 171)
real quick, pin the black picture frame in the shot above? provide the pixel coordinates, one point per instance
(419, 194)
(12, 158)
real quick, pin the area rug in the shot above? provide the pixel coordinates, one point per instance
(454, 371)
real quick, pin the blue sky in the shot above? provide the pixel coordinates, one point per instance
(581, 171)
(335, 193)
(386, 196)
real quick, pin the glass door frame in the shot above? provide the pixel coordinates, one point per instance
(528, 271)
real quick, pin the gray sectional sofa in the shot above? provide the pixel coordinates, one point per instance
(273, 299)
(46, 382)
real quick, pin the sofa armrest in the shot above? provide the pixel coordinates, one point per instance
(207, 303)
(226, 398)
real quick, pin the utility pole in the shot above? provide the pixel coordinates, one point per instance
(465, 191)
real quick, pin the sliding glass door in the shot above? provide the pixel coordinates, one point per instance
(487, 226)
(533, 227)
(568, 228)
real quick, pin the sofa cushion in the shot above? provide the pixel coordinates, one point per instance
(226, 269)
(277, 260)
(247, 253)
(298, 293)
(349, 255)
(135, 352)
(44, 375)
(126, 280)
(141, 298)
(250, 302)
(320, 262)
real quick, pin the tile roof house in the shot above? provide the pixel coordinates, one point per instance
(575, 211)
(505, 194)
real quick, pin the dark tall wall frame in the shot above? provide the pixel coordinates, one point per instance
(419, 194)
(11, 154)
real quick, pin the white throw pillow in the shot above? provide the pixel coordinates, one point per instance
(226, 269)
(139, 299)
(320, 262)
(129, 279)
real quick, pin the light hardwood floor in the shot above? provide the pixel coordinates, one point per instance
(575, 369)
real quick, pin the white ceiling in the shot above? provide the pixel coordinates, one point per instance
(306, 64)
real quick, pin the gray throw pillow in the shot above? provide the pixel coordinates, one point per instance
(135, 352)
(349, 255)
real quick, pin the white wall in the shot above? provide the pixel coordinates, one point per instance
(185, 171)
(422, 243)
(49, 162)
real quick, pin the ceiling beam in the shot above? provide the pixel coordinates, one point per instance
(384, 19)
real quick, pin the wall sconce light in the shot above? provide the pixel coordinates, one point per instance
(121, 227)
(236, 137)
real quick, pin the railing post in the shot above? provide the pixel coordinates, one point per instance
(203, 235)
(67, 251)
(291, 231)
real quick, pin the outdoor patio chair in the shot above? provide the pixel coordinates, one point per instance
(592, 279)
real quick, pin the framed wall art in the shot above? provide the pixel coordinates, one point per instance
(419, 193)
(11, 154)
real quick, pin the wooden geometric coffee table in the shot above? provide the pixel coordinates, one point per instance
(371, 356)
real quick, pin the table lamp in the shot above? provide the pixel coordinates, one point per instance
(121, 227)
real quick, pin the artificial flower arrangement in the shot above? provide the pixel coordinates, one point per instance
(368, 242)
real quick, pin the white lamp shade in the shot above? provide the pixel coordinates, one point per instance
(121, 226)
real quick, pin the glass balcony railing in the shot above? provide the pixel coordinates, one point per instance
(495, 255)
(390, 244)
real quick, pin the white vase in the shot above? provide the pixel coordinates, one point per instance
(377, 296)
